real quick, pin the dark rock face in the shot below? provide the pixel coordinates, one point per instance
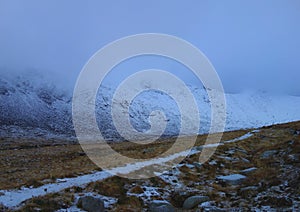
(91, 204)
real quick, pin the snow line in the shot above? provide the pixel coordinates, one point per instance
(13, 198)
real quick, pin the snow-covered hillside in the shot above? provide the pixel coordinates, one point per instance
(30, 109)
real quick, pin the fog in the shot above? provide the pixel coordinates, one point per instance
(252, 45)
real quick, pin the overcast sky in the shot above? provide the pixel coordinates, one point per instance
(252, 44)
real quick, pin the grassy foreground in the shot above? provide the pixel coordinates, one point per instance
(273, 152)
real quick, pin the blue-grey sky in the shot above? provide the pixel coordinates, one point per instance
(252, 44)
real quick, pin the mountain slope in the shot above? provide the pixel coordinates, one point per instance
(30, 109)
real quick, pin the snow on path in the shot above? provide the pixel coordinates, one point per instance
(13, 198)
(243, 137)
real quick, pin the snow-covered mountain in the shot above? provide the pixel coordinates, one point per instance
(30, 109)
(28, 106)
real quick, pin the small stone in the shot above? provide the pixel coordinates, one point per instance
(190, 166)
(245, 160)
(249, 188)
(193, 201)
(197, 165)
(276, 189)
(246, 171)
(222, 194)
(91, 204)
(268, 154)
(297, 132)
(205, 204)
(81, 153)
(213, 162)
(233, 179)
(230, 152)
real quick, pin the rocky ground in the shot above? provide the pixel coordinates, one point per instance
(259, 173)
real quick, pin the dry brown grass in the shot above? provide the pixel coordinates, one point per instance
(48, 203)
(29, 162)
(112, 187)
(30, 166)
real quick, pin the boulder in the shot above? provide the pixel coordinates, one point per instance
(91, 204)
(268, 154)
(161, 206)
(194, 201)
